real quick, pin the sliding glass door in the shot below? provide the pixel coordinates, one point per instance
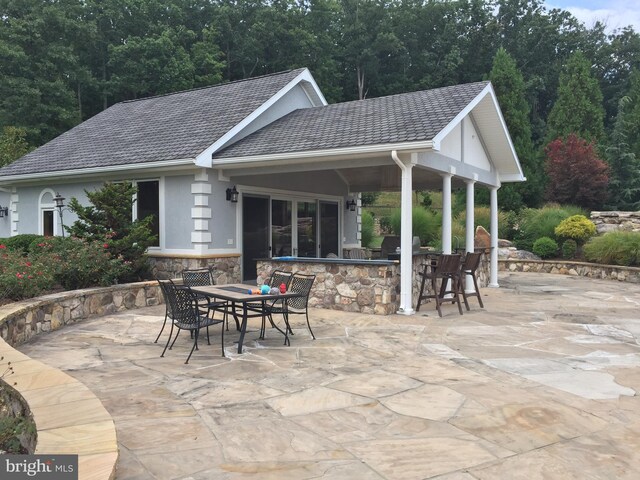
(307, 223)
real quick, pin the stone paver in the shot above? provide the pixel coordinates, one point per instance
(541, 384)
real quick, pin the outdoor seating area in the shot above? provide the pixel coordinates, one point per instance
(532, 386)
(192, 306)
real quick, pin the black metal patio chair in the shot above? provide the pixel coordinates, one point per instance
(202, 277)
(294, 306)
(183, 310)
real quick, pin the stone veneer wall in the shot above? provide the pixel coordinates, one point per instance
(582, 269)
(359, 287)
(226, 268)
(20, 321)
(616, 221)
(348, 287)
(93, 438)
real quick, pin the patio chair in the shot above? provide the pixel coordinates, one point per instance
(447, 270)
(469, 266)
(183, 310)
(357, 254)
(295, 306)
(277, 278)
(163, 284)
(201, 277)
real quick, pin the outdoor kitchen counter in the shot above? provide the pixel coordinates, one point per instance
(366, 286)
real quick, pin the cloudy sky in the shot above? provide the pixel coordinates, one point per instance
(615, 13)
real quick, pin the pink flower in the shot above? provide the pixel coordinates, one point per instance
(106, 245)
(2, 246)
(30, 276)
(19, 275)
(28, 264)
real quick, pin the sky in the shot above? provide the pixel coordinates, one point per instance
(615, 13)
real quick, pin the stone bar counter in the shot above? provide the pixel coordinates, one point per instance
(366, 286)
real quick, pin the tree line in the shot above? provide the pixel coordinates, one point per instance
(63, 61)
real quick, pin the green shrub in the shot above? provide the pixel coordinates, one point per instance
(21, 276)
(21, 243)
(569, 248)
(385, 224)
(576, 227)
(534, 223)
(614, 248)
(426, 224)
(367, 228)
(108, 220)
(545, 247)
(78, 263)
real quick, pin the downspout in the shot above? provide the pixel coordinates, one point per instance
(406, 232)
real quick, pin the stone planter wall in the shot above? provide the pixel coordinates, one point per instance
(20, 321)
(93, 436)
(582, 269)
(616, 221)
(226, 268)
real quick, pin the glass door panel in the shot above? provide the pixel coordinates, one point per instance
(306, 223)
(281, 228)
(255, 234)
(328, 229)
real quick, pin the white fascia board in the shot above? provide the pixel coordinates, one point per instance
(488, 90)
(204, 158)
(86, 172)
(311, 155)
(513, 177)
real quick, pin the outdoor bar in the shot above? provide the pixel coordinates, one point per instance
(365, 286)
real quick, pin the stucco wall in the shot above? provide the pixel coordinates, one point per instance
(5, 222)
(177, 218)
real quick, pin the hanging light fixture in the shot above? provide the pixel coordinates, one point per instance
(4, 212)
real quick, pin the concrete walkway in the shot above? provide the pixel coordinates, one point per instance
(540, 385)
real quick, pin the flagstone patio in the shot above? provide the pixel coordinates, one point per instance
(539, 385)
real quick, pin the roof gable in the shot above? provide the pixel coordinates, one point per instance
(168, 127)
(408, 117)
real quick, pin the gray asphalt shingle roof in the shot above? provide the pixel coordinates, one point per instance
(408, 117)
(167, 127)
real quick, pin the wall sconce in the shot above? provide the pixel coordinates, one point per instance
(232, 195)
(4, 212)
(59, 201)
(350, 205)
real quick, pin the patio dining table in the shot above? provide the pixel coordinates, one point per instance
(238, 295)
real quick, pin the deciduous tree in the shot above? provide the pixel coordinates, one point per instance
(576, 173)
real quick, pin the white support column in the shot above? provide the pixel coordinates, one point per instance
(406, 236)
(469, 230)
(446, 212)
(493, 276)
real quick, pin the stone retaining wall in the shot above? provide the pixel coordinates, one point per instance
(20, 321)
(226, 268)
(616, 221)
(53, 396)
(582, 269)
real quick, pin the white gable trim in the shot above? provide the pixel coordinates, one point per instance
(487, 91)
(204, 158)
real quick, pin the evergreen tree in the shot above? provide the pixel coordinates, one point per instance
(624, 152)
(509, 85)
(578, 108)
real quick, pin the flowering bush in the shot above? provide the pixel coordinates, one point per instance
(78, 263)
(21, 277)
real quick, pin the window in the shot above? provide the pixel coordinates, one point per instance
(47, 223)
(148, 204)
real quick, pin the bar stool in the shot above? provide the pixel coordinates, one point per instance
(447, 269)
(469, 266)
